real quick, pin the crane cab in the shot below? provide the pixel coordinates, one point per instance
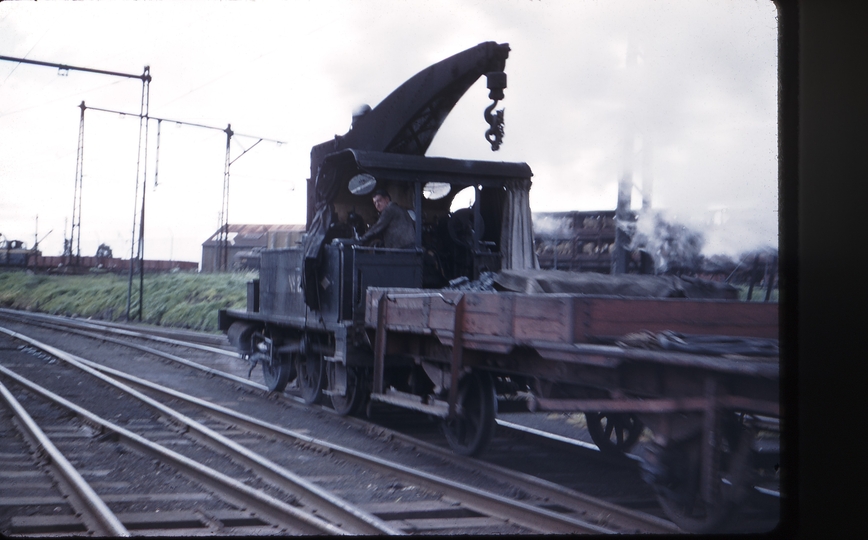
(448, 245)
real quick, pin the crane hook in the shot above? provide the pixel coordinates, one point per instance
(496, 83)
(494, 135)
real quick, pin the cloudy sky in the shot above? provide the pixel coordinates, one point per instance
(681, 93)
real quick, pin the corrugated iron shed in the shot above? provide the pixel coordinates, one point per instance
(251, 235)
(245, 243)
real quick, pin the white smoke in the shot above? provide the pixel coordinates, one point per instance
(554, 227)
(672, 244)
(715, 242)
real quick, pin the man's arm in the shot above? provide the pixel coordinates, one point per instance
(381, 225)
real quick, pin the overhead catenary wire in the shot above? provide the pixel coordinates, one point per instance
(186, 123)
(61, 98)
(221, 257)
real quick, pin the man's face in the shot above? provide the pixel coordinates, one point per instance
(380, 202)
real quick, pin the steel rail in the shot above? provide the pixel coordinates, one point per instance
(533, 518)
(168, 356)
(592, 447)
(319, 501)
(554, 437)
(629, 519)
(187, 336)
(523, 514)
(93, 511)
(230, 489)
(632, 520)
(171, 357)
(157, 352)
(130, 333)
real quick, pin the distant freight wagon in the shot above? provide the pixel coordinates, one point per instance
(14, 254)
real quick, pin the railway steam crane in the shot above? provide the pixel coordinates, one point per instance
(363, 324)
(405, 123)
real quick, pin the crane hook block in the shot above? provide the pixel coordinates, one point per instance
(496, 84)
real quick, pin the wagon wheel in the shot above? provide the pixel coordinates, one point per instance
(679, 490)
(614, 433)
(472, 428)
(309, 368)
(352, 402)
(275, 373)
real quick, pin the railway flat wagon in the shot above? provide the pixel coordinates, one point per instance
(701, 374)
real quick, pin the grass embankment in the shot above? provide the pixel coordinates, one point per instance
(181, 300)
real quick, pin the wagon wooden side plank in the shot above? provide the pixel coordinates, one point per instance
(564, 318)
(605, 318)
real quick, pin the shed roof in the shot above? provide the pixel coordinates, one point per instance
(245, 235)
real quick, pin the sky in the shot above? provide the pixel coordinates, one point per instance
(681, 95)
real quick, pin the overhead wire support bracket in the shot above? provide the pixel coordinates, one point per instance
(185, 123)
(245, 151)
(144, 77)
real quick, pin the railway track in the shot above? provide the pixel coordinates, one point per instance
(196, 482)
(452, 503)
(72, 504)
(498, 472)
